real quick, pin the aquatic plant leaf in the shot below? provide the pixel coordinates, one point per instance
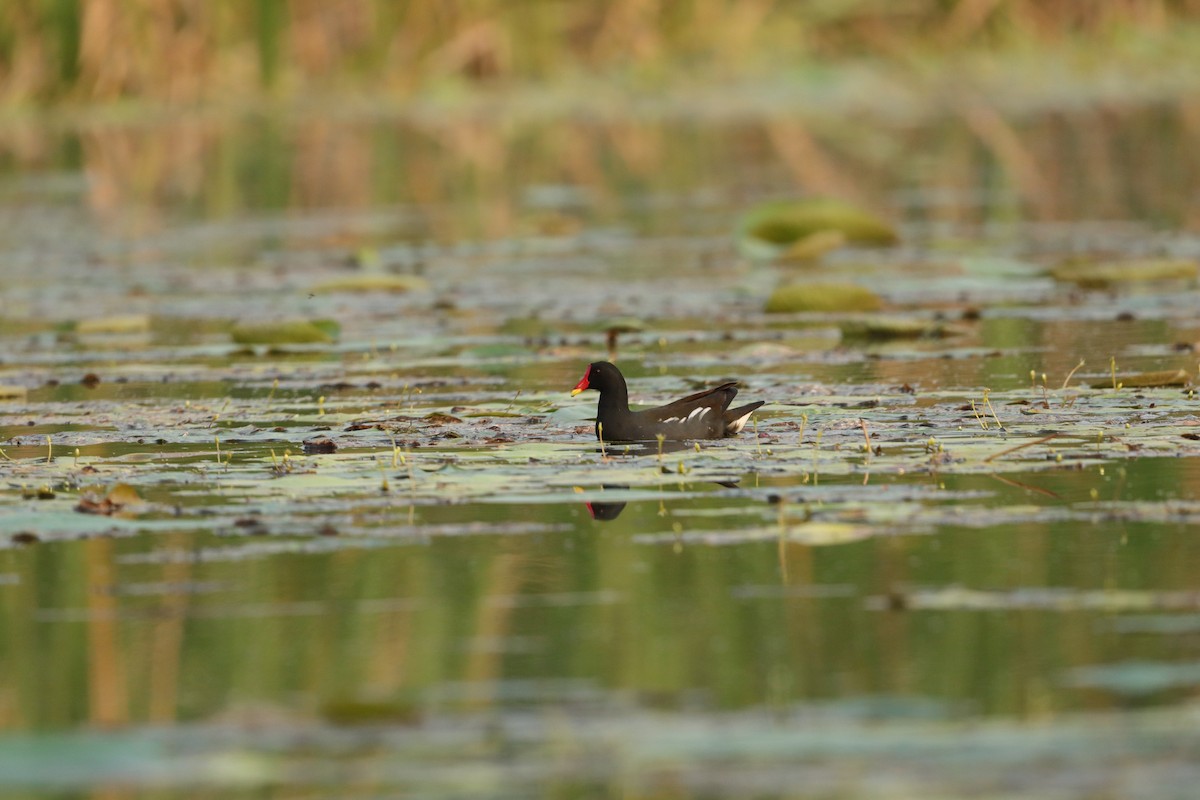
(1099, 274)
(1147, 380)
(301, 331)
(373, 282)
(896, 328)
(824, 297)
(122, 494)
(118, 323)
(621, 325)
(12, 392)
(814, 245)
(772, 229)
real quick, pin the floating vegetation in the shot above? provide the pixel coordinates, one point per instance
(803, 229)
(116, 324)
(1102, 274)
(1147, 380)
(300, 331)
(822, 297)
(894, 327)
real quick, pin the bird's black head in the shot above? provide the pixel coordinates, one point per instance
(600, 375)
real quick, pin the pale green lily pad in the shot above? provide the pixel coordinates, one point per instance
(301, 331)
(813, 245)
(116, 324)
(1106, 273)
(1148, 380)
(822, 297)
(898, 328)
(771, 230)
(621, 325)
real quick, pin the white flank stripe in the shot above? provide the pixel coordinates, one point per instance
(698, 413)
(739, 423)
(673, 419)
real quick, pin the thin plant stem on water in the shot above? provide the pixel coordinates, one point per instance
(987, 400)
(1071, 374)
(978, 418)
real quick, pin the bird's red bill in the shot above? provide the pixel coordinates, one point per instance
(583, 383)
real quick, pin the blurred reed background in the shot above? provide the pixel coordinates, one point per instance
(89, 51)
(644, 95)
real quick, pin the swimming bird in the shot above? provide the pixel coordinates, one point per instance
(704, 415)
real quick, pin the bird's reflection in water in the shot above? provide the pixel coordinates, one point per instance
(604, 512)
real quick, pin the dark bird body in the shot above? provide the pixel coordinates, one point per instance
(704, 415)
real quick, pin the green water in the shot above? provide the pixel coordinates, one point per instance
(995, 598)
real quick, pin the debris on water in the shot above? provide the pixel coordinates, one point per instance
(116, 500)
(319, 444)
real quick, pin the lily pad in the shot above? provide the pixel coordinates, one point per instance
(621, 325)
(897, 328)
(825, 297)
(373, 282)
(1099, 274)
(12, 392)
(1148, 380)
(116, 324)
(803, 228)
(300, 331)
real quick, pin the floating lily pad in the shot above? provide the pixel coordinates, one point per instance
(826, 297)
(373, 282)
(300, 331)
(12, 392)
(806, 228)
(897, 328)
(621, 325)
(1148, 380)
(117, 324)
(1098, 274)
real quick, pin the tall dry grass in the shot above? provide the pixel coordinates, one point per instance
(209, 50)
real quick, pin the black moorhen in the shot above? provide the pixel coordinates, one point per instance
(704, 415)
